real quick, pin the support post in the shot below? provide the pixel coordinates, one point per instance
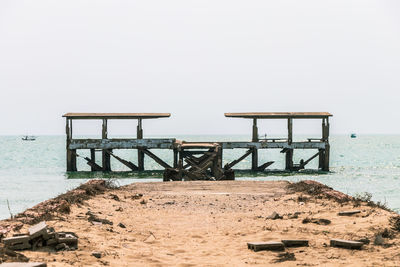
(106, 156)
(254, 159)
(321, 158)
(325, 138)
(71, 154)
(289, 160)
(139, 135)
(326, 158)
(254, 155)
(93, 158)
(290, 131)
(175, 158)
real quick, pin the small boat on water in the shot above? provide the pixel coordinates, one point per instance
(28, 138)
(353, 135)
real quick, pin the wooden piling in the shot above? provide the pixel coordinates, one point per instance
(93, 158)
(175, 158)
(254, 155)
(71, 154)
(325, 138)
(106, 156)
(139, 135)
(290, 131)
(289, 160)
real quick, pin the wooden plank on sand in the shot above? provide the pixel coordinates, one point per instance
(348, 213)
(346, 244)
(295, 242)
(257, 246)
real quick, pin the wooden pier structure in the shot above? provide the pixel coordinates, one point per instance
(106, 145)
(195, 160)
(286, 145)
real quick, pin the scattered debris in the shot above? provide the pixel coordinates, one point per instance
(367, 198)
(10, 255)
(96, 254)
(94, 218)
(274, 216)
(294, 215)
(115, 197)
(295, 242)
(136, 196)
(40, 235)
(346, 244)
(24, 264)
(287, 256)
(61, 204)
(315, 188)
(319, 221)
(395, 223)
(379, 240)
(257, 246)
(387, 233)
(348, 213)
(366, 241)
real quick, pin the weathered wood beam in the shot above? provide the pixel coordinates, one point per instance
(93, 165)
(308, 160)
(233, 163)
(156, 159)
(264, 166)
(121, 143)
(127, 163)
(281, 145)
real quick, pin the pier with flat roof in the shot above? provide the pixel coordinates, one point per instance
(195, 159)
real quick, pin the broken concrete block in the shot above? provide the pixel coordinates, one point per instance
(23, 264)
(51, 242)
(38, 230)
(348, 213)
(62, 246)
(257, 246)
(346, 244)
(17, 242)
(68, 238)
(295, 242)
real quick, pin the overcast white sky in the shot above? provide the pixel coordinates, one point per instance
(197, 60)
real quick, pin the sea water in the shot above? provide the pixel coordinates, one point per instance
(33, 171)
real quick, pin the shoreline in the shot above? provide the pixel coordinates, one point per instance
(209, 223)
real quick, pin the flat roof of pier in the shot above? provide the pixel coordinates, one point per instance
(279, 115)
(116, 115)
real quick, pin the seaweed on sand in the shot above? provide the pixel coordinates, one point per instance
(61, 204)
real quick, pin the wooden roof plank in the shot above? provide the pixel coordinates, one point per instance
(279, 115)
(116, 115)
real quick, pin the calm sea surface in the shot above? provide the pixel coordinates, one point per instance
(31, 172)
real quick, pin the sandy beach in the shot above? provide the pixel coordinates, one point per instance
(209, 224)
